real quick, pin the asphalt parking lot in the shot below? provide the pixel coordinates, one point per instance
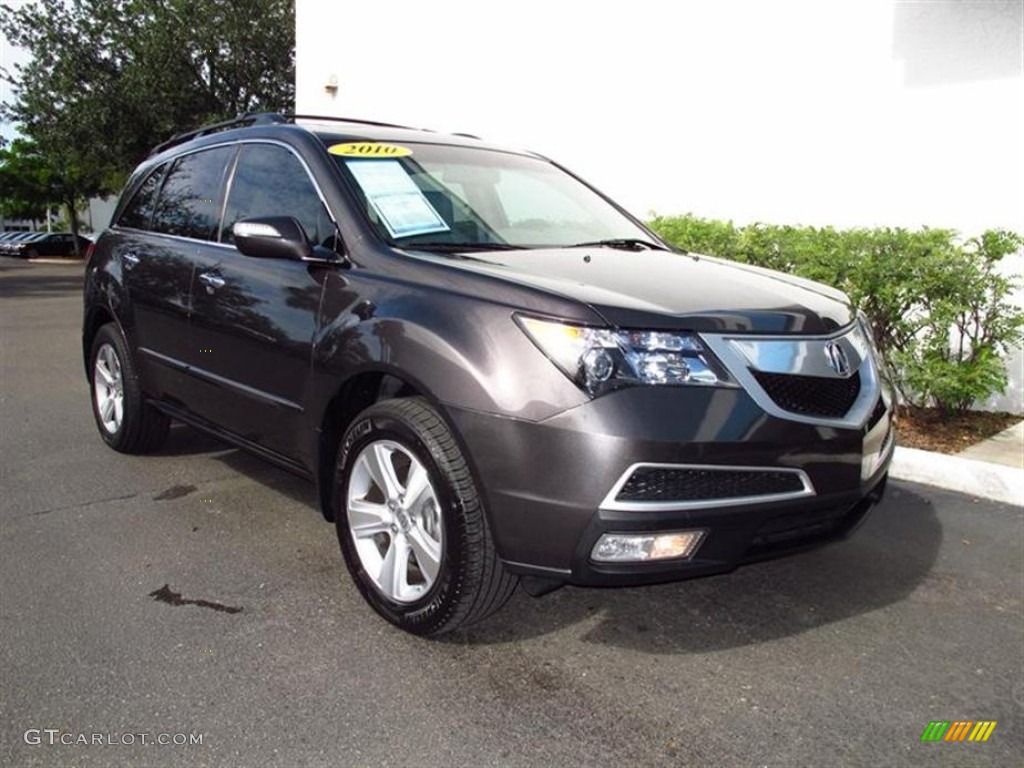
(841, 656)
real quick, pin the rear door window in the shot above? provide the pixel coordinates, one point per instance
(191, 198)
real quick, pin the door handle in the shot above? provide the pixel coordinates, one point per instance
(130, 259)
(211, 280)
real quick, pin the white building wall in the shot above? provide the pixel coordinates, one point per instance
(99, 212)
(860, 113)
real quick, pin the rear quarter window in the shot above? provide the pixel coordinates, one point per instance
(139, 210)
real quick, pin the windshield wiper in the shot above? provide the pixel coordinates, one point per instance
(461, 247)
(623, 244)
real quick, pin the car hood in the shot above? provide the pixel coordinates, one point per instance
(662, 289)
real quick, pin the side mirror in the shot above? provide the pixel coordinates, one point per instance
(272, 237)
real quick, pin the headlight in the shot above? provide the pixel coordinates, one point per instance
(600, 358)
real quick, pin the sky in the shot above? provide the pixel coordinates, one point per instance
(9, 55)
(852, 113)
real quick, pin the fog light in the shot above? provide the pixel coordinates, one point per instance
(642, 547)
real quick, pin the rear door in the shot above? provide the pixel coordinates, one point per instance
(174, 214)
(253, 320)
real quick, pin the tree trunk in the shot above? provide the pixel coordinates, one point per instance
(73, 217)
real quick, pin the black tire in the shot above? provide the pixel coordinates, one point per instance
(142, 428)
(31, 253)
(471, 583)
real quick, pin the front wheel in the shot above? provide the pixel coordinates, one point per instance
(411, 524)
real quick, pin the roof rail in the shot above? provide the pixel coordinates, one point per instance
(330, 119)
(244, 119)
(270, 118)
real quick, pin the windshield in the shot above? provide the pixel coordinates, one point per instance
(420, 195)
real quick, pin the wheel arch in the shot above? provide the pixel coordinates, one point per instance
(95, 318)
(435, 350)
(354, 395)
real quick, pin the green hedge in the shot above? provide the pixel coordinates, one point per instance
(940, 311)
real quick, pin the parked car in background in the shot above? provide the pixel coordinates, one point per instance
(8, 246)
(492, 371)
(48, 244)
(6, 236)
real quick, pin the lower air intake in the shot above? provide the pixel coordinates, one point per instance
(689, 484)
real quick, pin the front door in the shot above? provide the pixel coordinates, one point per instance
(253, 320)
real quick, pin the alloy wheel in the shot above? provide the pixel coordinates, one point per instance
(108, 388)
(394, 518)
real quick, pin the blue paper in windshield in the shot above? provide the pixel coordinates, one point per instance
(395, 197)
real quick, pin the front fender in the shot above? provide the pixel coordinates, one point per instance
(458, 350)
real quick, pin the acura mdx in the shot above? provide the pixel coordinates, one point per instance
(493, 373)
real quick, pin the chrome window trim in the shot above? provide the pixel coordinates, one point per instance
(227, 188)
(800, 356)
(229, 184)
(610, 503)
(179, 238)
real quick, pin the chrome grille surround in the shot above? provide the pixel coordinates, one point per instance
(613, 501)
(800, 356)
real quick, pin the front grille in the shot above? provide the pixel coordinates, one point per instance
(811, 395)
(700, 484)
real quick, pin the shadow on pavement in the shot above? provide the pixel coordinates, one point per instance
(186, 441)
(45, 284)
(879, 565)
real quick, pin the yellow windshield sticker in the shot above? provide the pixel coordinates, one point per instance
(369, 149)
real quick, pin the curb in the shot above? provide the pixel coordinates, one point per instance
(974, 478)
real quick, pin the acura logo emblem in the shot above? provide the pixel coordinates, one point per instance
(837, 358)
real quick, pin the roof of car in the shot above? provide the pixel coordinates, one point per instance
(329, 130)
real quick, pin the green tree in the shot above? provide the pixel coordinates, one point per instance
(26, 182)
(109, 79)
(33, 182)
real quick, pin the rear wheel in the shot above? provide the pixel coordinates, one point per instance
(411, 524)
(126, 422)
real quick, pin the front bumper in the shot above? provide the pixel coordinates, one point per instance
(549, 485)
